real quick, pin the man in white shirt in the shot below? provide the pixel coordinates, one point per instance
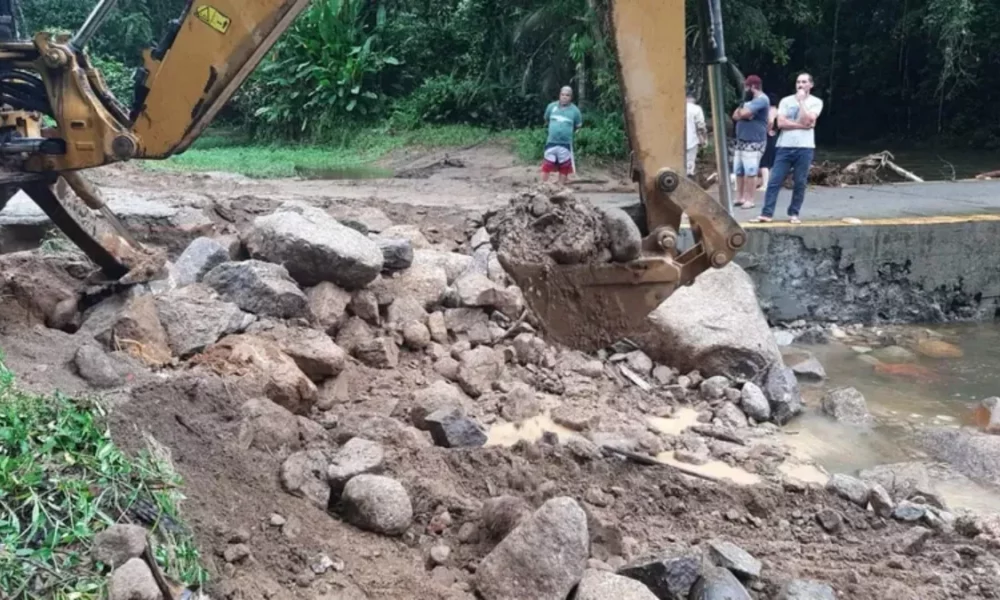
(696, 132)
(794, 150)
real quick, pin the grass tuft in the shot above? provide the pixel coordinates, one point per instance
(62, 481)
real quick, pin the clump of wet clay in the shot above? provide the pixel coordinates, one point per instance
(549, 225)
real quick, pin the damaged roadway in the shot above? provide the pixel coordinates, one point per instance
(403, 432)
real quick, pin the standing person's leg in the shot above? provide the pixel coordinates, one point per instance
(751, 169)
(779, 171)
(738, 173)
(802, 162)
(548, 163)
(692, 160)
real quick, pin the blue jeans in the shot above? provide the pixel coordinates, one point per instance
(798, 161)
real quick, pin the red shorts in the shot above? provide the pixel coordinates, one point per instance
(565, 168)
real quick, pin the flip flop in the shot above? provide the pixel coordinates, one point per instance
(794, 220)
(761, 220)
(748, 205)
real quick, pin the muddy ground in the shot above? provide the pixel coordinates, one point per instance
(233, 449)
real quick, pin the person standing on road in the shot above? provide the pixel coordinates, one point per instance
(751, 139)
(563, 118)
(794, 151)
(697, 135)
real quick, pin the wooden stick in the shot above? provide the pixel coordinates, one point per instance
(649, 461)
(902, 172)
(718, 433)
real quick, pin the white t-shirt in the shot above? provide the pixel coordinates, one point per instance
(695, 121)
(798, 138)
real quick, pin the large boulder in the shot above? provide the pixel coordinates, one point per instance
(259, 287)
(313, 351)
(200, 257)
(314, 247)
(973, 454)
(847, 405)
(715, 326)
(195, 317)
(543, 558)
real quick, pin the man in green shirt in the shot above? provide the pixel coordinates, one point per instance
(563, 119)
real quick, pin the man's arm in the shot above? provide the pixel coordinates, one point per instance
(806, 117)
(699, 125)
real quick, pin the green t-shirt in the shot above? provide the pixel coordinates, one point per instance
(563, 121)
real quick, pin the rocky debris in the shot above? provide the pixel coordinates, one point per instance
(304, 474)
(313, 351)
(478, 369)
(847, 405)
(809, 370)
(806, 589)
(135, 329)
(849, 488)
(600, 585)
(97, 367)
(625, 239)
(501, 515)
(416, 336)
(473, 290)
(912, 541)
(268, 426)
(380, 353)
(200, 257)
(529, 349)
(714, 388)
(988, 415)
(543, 558)
(328, 305)
(881, 501)
(671, 578)
(909, 511)
(730, 416)
(262, 361)
(397, 253)
(364, 305)
(899, 479)
(410, 233)
(194, 317)
(314, 247)
(235, 553)
(364, 219)
(133, 581)
(439, 554)
(356, 457)
(260, 288)
(754, 403)
(717, 583)
(437, 327)
(440, 395)
(830, 520)
(425, 281)
(972, 453)
(715, 326)
(377, 503)
(739, 561)
(353, 334)
(117, 544)
(41, 288)
(782, 391)
(450, 428)
(520, 403)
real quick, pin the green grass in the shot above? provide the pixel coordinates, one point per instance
(62, 481)
(231, 152)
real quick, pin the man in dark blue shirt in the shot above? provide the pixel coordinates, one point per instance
(751, 139)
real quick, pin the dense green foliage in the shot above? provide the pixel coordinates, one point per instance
(913, 69)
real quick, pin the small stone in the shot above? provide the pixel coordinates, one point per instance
(364, 305)
(440, 554)
(354, 458)
(714, 388)
(236, 553)
(718, 584)
(437, 327)
(397, 253)
(378, 504)
(597, 497)
(598, 584)
(782, 391)
(380, 353)
(668, 577)
(754, 402)
(912, 542)
(328, 305)
(277, 520)
(450, 428)
(468, 533)
(909, 511)
(732, 557)
(849, 488)
(847, 405)
(731, 416)
(806, 589)
(416, 336)
(303, 474)
(502, 514)
(575, 419)
(691, 457)
(97, 367)
(830, 520)
(881, 501)
(663, 375)
(639, 362)
(133, 581)
(240, 535)
(478, 369)
(118, 544)
(809, 370)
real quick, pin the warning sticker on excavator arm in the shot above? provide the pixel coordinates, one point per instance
(213, 18)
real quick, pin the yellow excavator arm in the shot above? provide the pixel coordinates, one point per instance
(210, 50)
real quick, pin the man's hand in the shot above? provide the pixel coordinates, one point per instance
(801, 96)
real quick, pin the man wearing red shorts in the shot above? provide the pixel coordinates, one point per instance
(563, 119)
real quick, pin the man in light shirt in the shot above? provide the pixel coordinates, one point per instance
(794, 150)
(696, 133)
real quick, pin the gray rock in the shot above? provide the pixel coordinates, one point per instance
(714, 388)
(912, 541)
(313, 351)
(813, 336)
(438, 327)
(664, 375)
(784, 338)
(364, 305)
(410, 233)
(303, 474)
(601, 585)
(478, 369)
(668, 578)
(380, 353)
(809, 370)
(754, 403)
(364, 219)
(881, 501)
(732, 557)
(200, 257)
(847, 405)
(542, 559)
(425, 282)
(397, 253)
(718, 584)
(849, 488)
(638, 361)
(973, 454)
(416, 336)
(195, 317)
(830, 520)
(440, 395)
(354, 334)
(782, 392)
(894, 354)
(501, 515)
(356, 457)
(731, 416)
(473, 290)
(450, 428)
(624, 234)
(118, 544)
(806, 589)
(328, 306)
(133, 581)
(259, 287)
(314, 247)
(97, 367)
(899, 479)
(480, 238)
(909, 511)
(715, 325)
(268, 426)
(377, 503)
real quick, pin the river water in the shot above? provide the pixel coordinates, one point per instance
(930, 165)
